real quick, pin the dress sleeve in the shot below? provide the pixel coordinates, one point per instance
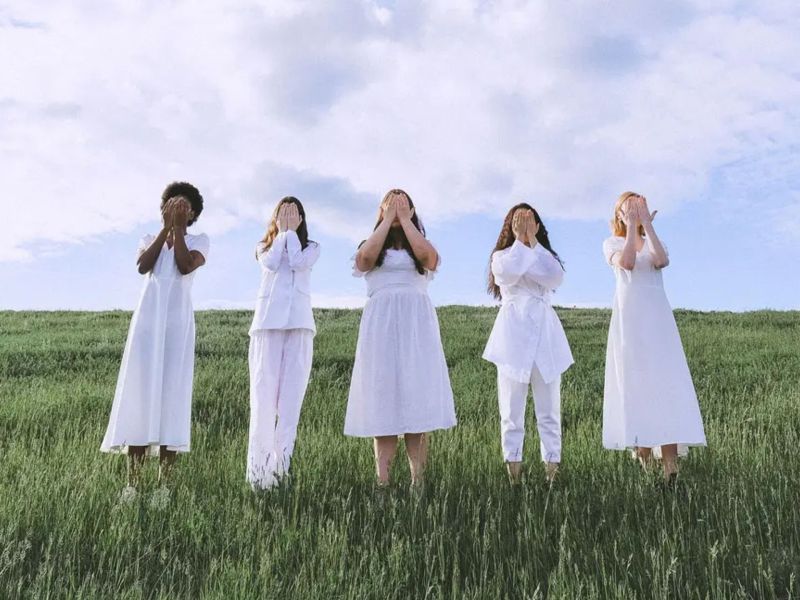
(431, 273)
(545, 269)
(270, 258)
(508, 266)
(144, 244)
(356, 272)
(300, 259)
(200, 243)
(612, 246)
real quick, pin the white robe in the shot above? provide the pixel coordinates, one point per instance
(527, 330)
(649, 398)
(153, 400)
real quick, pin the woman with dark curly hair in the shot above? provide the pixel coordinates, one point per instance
(527, 343)
(151, 413)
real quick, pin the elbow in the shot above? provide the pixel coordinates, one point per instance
(184, 269)
(628, 265)
(142, 270)
(662, 264)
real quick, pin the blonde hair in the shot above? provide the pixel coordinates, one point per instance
(618, 227)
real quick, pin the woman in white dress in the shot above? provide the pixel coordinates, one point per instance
(281, 343)
(527, 343)
(151, 413)
(649, 401)
(400, 384)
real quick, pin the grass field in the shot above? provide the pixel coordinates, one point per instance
(731, 529)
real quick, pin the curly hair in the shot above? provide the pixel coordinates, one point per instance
(188, 191)
(272, 228)
(506, 238)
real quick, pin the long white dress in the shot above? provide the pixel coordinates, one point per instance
(400, 383)
(153, 400)
(649, 398)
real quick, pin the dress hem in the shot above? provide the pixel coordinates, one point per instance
(361, 434)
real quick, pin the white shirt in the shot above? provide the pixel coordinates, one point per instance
(284, 297)
(527, 330)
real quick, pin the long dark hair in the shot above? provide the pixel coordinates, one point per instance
(506, 238)
(397, 237)
(272, 228)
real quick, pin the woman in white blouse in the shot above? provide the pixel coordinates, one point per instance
(527, 343)
(649, 400)
(281, 342)
(400, 384)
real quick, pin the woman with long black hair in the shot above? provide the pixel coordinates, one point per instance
(400, 384)
(527, 343)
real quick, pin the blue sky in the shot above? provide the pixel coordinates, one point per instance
(470, 106)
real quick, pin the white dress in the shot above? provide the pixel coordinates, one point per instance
(153, 400)
(649, 398)
(400, 382)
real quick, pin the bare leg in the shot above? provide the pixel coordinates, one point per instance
(669, 457)
(514, 472)
(645, 457)
(417, 451)
(135, 460)
(166, 459)
(385, 450)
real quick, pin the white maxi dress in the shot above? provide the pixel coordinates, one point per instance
(153, 400)
(400, 383)
(649, 399)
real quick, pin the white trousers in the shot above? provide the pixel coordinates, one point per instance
(280, 365)
(512, 397)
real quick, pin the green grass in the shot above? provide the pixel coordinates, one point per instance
(730, 530)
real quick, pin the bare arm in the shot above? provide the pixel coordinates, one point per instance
(186, 260)
(369, 251)
(148, 258)
(423, 250)
(627, 258)
(660, 257)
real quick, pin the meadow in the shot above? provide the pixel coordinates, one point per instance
(730, 529)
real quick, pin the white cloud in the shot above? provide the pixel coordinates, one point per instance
(468, 105)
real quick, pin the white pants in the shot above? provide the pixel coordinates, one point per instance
(280, 364)
(512, 397)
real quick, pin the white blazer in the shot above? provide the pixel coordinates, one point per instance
(527, 330)
(284, 296)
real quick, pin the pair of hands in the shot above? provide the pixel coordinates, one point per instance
(397, 207)
(289, 217)
(524, 227)
(636, 212)
(176, 213)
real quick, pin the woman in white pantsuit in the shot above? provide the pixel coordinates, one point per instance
(649, 400)
(527, 343)
(151, 413)
(281, 343)
(400, 383)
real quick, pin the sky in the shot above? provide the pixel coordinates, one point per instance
(470, 106)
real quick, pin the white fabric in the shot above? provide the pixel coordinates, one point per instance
(527, 331)
(512, 397)
(649, 397)
(280, 365)
(153, 400)
(284, 296)
(400, 383)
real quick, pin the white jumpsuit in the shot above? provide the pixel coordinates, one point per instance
(281, 349)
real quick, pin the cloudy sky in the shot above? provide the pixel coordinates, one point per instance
(469, 106)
